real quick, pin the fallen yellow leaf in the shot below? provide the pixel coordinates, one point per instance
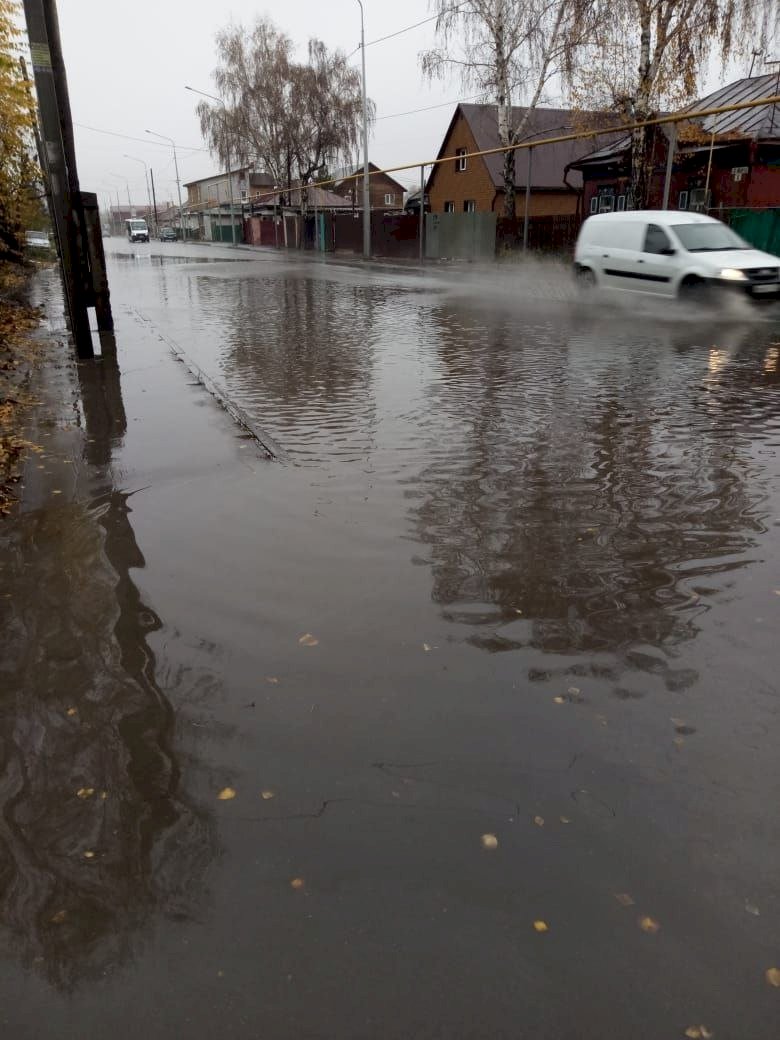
(489, 841)
(72, 711)
(699, 1033)
(647, 924)
(226, 794)
(773, 976)
(540, 926)
(297, 883)
(103, 795)
(89, 854)
(539, 821)
(59, 917)
(559, 700)
(272, 679)
(624, 899)
(574, 689)
(308, 640)
(267, 795)
(85, 792)
(564, 819)
(426, 647)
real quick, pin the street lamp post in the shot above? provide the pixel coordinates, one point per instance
(229, 172)
(366, 193)
(146, 175)
(171, 141)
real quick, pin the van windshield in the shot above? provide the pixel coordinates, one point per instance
(708, 238)
(137, 225)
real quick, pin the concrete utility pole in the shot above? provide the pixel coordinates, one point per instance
(219, 101)
(60, 166)
(366, 191)
(172, 143)
(154, 202)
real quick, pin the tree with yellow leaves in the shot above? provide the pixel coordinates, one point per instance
(19, 178)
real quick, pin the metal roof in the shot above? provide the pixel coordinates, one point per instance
(759, 123)
(549, 164)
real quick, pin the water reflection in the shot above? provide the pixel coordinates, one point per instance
(98, 834)
(597, 493)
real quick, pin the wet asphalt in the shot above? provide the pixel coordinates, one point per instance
(392, 653)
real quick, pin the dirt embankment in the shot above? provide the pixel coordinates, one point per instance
(20, 352)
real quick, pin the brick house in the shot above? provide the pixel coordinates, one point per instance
(477, 184)
(741, 150)
(384, 192)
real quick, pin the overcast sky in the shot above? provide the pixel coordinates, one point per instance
(127, 74)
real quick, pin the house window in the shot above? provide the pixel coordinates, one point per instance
(682, 201)
(389, 200)
(470, 206)
(244, 195)
(460, 161)
(606, 203)
(449, 207)
(594, 204)
(621, 203)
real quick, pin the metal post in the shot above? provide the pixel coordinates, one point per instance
(366, 192)
(671, 144)
(527, 209)
(101, 298)
(422, 212)
(154, 203)
(172, 143)
(57, 132)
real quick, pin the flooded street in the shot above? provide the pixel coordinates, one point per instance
(425, 689)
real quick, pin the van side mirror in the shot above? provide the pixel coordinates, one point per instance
(669, 251)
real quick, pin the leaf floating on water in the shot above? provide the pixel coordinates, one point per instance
(226, 794)
(541, 926)
(539, 821)
(699, 1033)
(489, 841)
(559, 700)
(426, 648)
(575, 690)
(267, 795)
(85, 792)
(772, 976)
(624, 899)
(59, 917)
(89, 854)
(649, 925)
(272, 679)
(564, 819)
(297, 883)
(308, 640)
(72, 711)
(752, 909)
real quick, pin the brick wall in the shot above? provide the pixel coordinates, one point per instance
(446, 184)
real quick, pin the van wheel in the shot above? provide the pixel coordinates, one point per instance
(694, 290)
(586, 279)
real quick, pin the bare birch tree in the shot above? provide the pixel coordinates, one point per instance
(293, 117)
(648, 54)
(511, 50)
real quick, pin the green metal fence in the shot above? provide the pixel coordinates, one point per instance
(759, 227)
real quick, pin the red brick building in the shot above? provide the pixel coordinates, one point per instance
(740, 149)
(385, 193)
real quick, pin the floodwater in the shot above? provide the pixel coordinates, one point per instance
(511, 572)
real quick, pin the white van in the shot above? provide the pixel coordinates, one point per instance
(671, 253)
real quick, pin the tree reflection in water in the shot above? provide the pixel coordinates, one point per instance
(87, 759)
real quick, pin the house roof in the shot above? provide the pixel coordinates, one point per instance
(352, 171)
(549, 163)
(319, 197)
(759, 123)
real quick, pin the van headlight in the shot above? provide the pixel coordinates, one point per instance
(733, 274)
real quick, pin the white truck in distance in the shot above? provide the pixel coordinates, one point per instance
(137, 230)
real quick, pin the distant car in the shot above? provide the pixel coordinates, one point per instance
(36, 239)
(167, 234)
(672, 253)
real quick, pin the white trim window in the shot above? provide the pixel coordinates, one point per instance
(461, 162)
(621, 203)
(244, 195)
(449, 207)
(682, 200)
(594, 204)
(470, 206)
(389, 200)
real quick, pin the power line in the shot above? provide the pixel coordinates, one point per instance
(143, 140)
(406, 28)
(429, 108)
